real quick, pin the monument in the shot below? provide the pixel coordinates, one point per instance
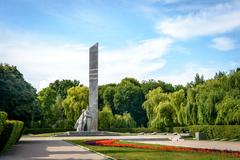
(89, 116)
(92, 123)
(87, 123)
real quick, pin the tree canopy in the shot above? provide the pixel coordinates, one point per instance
(17, 97)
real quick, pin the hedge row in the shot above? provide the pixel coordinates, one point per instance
(212, 131)
(11, 134)
(135, 130)
(44, 130)
(3, 118)
(10, 131)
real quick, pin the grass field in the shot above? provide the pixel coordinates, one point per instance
(124, 153)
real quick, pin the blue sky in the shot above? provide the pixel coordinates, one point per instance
(168, 40)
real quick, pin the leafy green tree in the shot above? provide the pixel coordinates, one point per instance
(106, 119)
(61, 87)
(108, 97)
(160, 110)
(178, 101)
(76, 100)
(198, 79)
(149, 85)
(51, 99)
(129, 97)
(101, 91)
(17, 97)
(191, 108)
(152, 84)
(228, 111)
(46, 98)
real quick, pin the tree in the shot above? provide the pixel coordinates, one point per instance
(50, 100)
(108, 97)
(228, 111)
(46, 98)
(17, 97)
(61, 87)
(106, 119)
(74, 103)
(198, 79)
(159, 109)
(129, 97)
(191, 108)
(178, 101)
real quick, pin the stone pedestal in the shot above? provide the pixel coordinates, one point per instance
(200, 136)
(87, 133)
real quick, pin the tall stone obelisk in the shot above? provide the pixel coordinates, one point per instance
(92, 123)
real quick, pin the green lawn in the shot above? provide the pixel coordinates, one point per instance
(125, 153)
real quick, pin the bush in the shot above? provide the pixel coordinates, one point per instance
(10, 134)
(133, 130)
(213, 131)
(3, 117)
(217, 131)
(180, 129)
(45, 130)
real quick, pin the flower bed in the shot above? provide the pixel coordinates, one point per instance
(115, 143)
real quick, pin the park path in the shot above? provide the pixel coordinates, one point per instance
(48, 149)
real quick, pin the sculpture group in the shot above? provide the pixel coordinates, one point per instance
(88, 120)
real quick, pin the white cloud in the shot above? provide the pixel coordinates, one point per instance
(43, 61)
(188, 74)
(209, 21)
(223, 44)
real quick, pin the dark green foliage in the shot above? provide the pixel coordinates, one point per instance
(129, 97)
(3, 117)
(45, 130)
(212, 131)
(51, 103)
(10, 134)
(217, 131)
(17, 97)
(108, 97)
(101, 90)
(61, 87)
(134, 130)
(152, 84)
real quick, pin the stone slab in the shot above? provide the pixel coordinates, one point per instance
(87, 133)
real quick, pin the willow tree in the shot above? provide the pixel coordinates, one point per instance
(76, 100)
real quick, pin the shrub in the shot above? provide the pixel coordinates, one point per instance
(10, 134)
(217, 131)
(3, 117)
(45, 130)
(180, 129)
(213, 131)
(132, 130)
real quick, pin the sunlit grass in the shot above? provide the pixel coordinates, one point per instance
(148, 154)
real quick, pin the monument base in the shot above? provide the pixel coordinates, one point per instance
(87, 133)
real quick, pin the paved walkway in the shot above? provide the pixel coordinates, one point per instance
(55, 148)
(48, 149)
(158, 139)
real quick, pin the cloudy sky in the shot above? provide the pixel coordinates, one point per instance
(170, 40)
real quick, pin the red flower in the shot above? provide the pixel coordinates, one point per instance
(114, 143)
